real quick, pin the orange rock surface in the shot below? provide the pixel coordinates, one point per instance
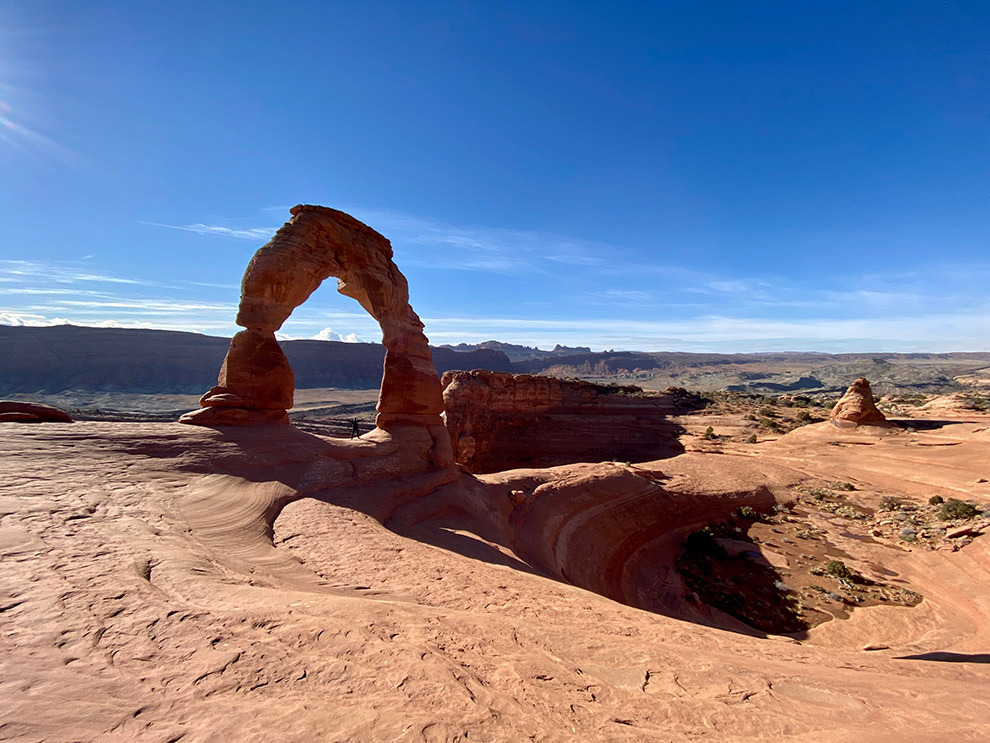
(168, 583)
(857, 408)
(315, 244)
(500, 421)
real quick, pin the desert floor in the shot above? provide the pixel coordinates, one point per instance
(164, 582)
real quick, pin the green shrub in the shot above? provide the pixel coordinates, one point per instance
(751, 439)
(771, 425)
(957, 509)
(889, 503)
(710, 433)
(936, 500)
(747, 512)
(838, 569)
(804, 416)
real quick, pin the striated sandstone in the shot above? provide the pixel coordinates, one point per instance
(256, 371)
(499, 421)
(856, 407)
(315, 244)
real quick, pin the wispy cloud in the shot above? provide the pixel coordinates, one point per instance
(255, 234)
(428, 242)
(61, 272)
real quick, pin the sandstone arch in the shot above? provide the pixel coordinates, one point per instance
(256, 384)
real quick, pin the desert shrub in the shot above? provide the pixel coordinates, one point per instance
(771, 425)
(747, 512)
(957, 509)
(936, 500)
(889, 503)
(703, 544)
(840, 485)
(710, 433)
(751, 439)
(804, 416)
(975, 402)
(768, 412)
(848, 512)
(819, 494)
(838, 569)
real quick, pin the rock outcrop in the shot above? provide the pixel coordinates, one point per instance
(255, 385)
(500, 421)
(31, 412)
(857, 408)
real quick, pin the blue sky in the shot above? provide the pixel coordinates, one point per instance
(719, 176)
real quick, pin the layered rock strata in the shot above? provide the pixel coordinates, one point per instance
(256, 385)
(500, 421)
(857, 408)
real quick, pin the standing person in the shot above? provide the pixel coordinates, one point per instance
(355, 433)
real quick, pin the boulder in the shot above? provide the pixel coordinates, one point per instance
(11, 411)
(857, 408)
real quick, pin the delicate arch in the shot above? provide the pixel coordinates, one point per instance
(256, 384)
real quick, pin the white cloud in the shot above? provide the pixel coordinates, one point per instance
(328, 334)
(256, 234)
(23, 319)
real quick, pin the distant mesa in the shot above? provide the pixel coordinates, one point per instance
(857, 408)
(31, 412)
(499, 421)
(519, 353)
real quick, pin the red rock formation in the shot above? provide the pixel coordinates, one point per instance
(501, 421)
(856, 407)
(315, 244)
(31, 412)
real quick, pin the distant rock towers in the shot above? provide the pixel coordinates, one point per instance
(256, 384)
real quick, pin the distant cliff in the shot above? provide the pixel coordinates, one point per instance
(519, 353)
(67, 357)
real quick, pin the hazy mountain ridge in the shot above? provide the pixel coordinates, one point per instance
(65, 357)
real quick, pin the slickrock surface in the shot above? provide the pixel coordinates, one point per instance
(166, 582)
(500, 421)
(856, 407)
(315, 244)
(31, 412)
